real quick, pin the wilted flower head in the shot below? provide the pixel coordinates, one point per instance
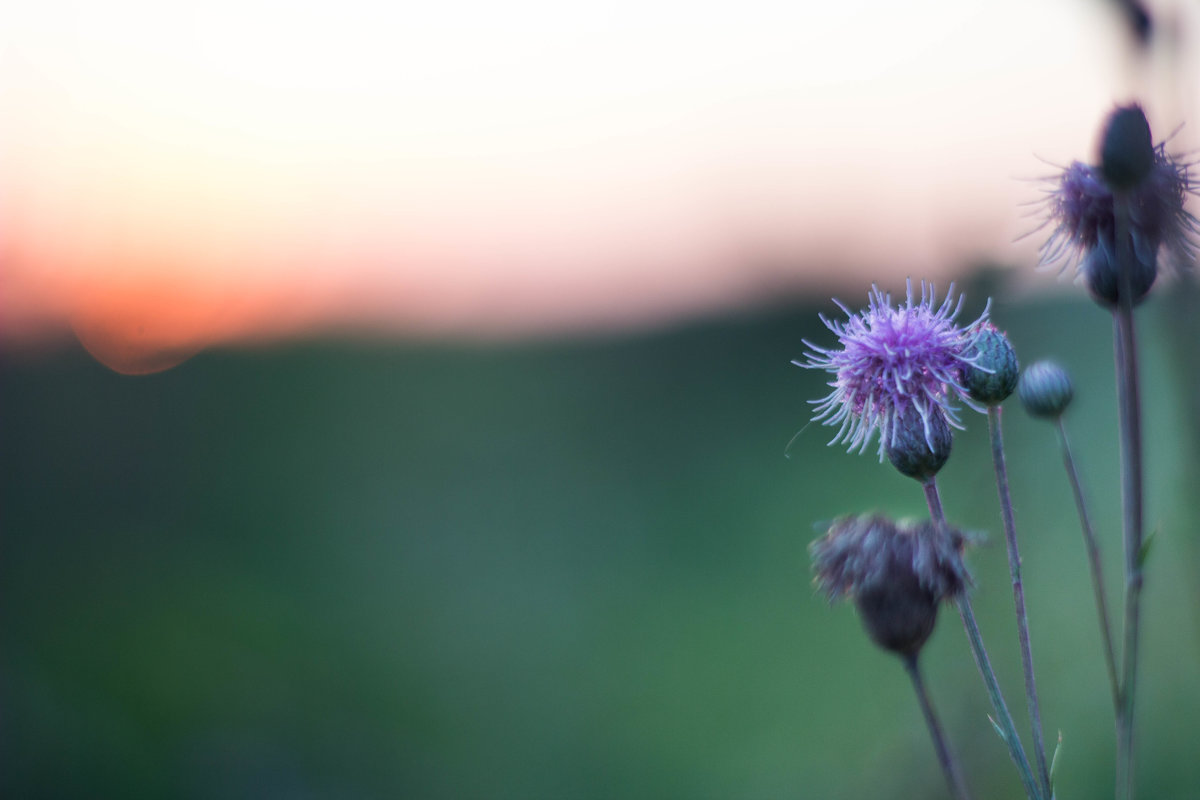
(1079, 210)
(893, 360)
(896, 573)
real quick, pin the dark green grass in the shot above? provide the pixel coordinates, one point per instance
(563, 570)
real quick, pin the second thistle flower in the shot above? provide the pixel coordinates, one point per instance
(1081, 215)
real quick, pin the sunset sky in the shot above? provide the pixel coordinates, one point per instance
(184, 174)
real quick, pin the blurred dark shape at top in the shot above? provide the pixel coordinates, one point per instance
(1138, 21)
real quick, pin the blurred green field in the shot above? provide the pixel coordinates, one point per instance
(578, 569)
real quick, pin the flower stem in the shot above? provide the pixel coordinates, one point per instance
(1004, 721)
(958, 787)
(1014, 566)
(1093, 552)
(1129, 406)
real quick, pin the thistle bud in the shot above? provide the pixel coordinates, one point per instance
(1101, 270)
(1126, 148)
(919, 445)
(1045, 390)
(992, 375)
(896, 573)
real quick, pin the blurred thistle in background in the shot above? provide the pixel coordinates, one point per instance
(1079, 211)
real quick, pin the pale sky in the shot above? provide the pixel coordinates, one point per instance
(236, 169)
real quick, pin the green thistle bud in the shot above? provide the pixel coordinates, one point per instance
(1103, 276)
(992, 374)
(1126, 148)
(919, 446)
(1045, 390)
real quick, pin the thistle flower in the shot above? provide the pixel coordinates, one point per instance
(893, 360)
(897, 574)
(1079, 207)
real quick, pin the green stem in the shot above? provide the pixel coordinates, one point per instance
(1129, 406)
(958, 787)
(1004, 721)
(1093, 553)
(1014, 566)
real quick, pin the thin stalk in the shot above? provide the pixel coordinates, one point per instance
(958, 787)
(1129, 405)
(1093, 552)
(1014, 566)
(1004, 721)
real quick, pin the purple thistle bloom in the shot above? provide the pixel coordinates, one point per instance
(1080, 207)
(894, 359)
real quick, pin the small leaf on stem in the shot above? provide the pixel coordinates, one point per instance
(999, 731)
(1054, 759)
(1144, 550)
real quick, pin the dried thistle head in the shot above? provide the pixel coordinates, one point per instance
(897, 574)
